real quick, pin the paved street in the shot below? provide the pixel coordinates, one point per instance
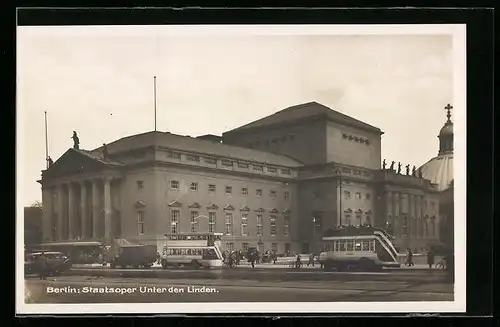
(233, 286)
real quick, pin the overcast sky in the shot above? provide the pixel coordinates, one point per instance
(98, 81)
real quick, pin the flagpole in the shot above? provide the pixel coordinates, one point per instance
(155, 99)
(46, 143)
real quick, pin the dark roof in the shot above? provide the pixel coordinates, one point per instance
(190, 144)
(304, 111)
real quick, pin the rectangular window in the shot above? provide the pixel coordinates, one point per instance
(287, 247)
(244, 191)
(368, 196)
(366, 246)
(272, 220)
(193, 186)
(368, 220)
(140, 184)
(258, 192)
(190, 157)
(286, 195)
(286, 225)
(318, 224)
(174, 185)
(244, 224)
(244, 247)
(258, 168)
(347, 195)
(347, 220)
(175, 215)
(274, 247)
(242, 165)
(211, 188)
(350, 245)
(229, 190)
(272, 169)
(229, 223)
(286, 171)
(358, 196)
(212, 220)
(140, 223)
(272, 194)
(210, 161)
(173, 154)
(372, 246)
(227, 163)
(194, 221)
(259, 225)
(358, 219)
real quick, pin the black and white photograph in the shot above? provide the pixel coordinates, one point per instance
(234, 169)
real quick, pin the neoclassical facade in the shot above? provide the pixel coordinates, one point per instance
(276, 183)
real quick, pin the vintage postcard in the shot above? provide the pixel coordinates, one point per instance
(235, 169)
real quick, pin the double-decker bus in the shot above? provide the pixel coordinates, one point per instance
(192, 249)
(358, 247)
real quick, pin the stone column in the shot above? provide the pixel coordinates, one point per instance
(418, 215)
(397, 214)
(48, 204)
(83, 211)
(95, 209)
(107, 210)
(71, 211)
(388, 208)
(60, 212)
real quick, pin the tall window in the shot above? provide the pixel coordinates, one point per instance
(230, 247)
(358, 196)
(244, 224)
(193, 186)
(272, 220)
(212, 219)
(286, 226)
(286, 195)
(229, 190)
(140, 223)
(359, 218)
(259, 224)
(244, 191)
(274, 247)
(368, 196)
(433, 227)
(229, 223)
(244, 247)
(347, 195)
(194, 221)
(175, 215)
(347, 219)
(174, 185)
(368, 219)
(318, 224)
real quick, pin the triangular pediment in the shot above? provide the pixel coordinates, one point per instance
(359, 211)
(369, 212)
(212, 206)
(175, 204)
(348, 210)
(259, 210)
(74, 162)
(139, 204)
(195, 205)
(229, 207)
(245, 208)
(273, 210)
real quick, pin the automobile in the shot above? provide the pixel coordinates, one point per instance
(57, 263)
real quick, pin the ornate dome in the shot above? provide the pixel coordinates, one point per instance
(439, 170)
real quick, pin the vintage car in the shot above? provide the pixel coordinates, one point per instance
(57, 263)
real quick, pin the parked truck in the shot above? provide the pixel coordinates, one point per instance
(133, 255)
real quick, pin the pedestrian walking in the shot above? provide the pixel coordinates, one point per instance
(311, 260)
(252, 259)
(298, 262)
(42, 266)
(409, 258)
(430, 258)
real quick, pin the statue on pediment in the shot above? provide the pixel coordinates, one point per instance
(420, 172)
(407, 170)
(392, 165)
(76, 141)
(383, 164)
(399, 167)
(414, 171)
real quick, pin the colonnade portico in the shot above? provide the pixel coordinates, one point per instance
(82, 209)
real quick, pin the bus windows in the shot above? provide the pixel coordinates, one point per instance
(209, 254)
(366, 246)
(350, 245)
(342, 246)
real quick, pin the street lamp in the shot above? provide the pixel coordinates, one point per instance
(314, 234)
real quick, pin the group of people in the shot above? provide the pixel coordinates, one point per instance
(430, 260)
(233, 258)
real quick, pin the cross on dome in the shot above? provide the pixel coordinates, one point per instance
(448, 109)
